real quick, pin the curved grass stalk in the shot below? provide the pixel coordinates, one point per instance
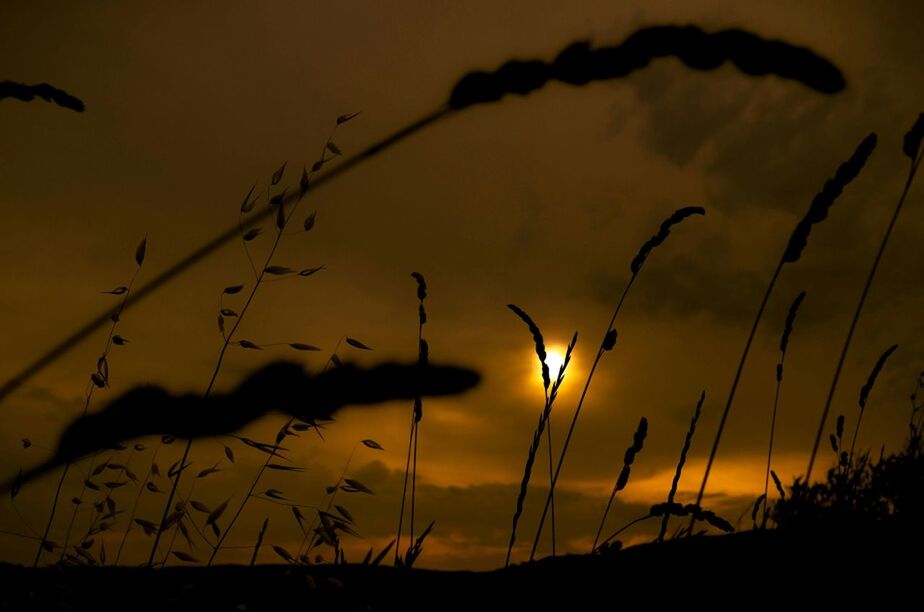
(915, 162)
(607, 344)
(817, 212)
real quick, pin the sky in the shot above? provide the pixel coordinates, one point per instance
(539, 201)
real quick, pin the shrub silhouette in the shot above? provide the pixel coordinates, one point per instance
(882, 494)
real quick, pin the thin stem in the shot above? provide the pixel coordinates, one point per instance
(240, 509)
(606, 513)
(114, 318)
(577, 413)
(208, 391)
(411, 463)
(734, 387)
(98, 514)
(131, 517)
(51, 515)
(240, 225)
(256, 548)
(176, 528)
(20, 535)
(776, 403)
(548, 432)
(68, 343)
(621, 529)
(22, 519)
(414, 482)
(527, 470)
(280, 232)
(853, 443)
(856, 317)
(221, 355)
(330, 501)
(83, 489)
(407, 472)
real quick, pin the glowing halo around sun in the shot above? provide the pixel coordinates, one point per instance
(554, 358)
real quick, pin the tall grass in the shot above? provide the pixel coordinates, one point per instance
(410, 469)
(864, 397)
(817, 213)
(911, 147)
(98, 380)
(687, 441)
(324, 526)
(551, 393)
(578, 64)
(141, 489)
(784, 344)
(282, 217)
(638, 442)
(609, 341)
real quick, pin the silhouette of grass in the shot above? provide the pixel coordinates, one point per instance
(817, 213)
(638, 442)
(551, 393)
(911, 147)
(143, 486)
(578, 65)
(864, 396)
(917, 408)
(870, 497)
(609, 341)
(687, 441)
(545, 423)
(784, 344)
(410, 469)
(282, 218)
(98, 380)
(277, 384)
(27, 93)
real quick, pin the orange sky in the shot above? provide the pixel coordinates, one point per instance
(540, 201)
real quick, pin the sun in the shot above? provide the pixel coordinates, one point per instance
(554, 358)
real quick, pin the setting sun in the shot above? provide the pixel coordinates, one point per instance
(554, 358)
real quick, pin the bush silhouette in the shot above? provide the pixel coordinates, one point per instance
(885, 493)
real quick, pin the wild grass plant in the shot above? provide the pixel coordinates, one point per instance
(282, 220)
(911, 147)
(784, 344)
(99, 380)
(410, 468)
(186, 518)
(551, 393)
(818, 212)
(609, 342)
